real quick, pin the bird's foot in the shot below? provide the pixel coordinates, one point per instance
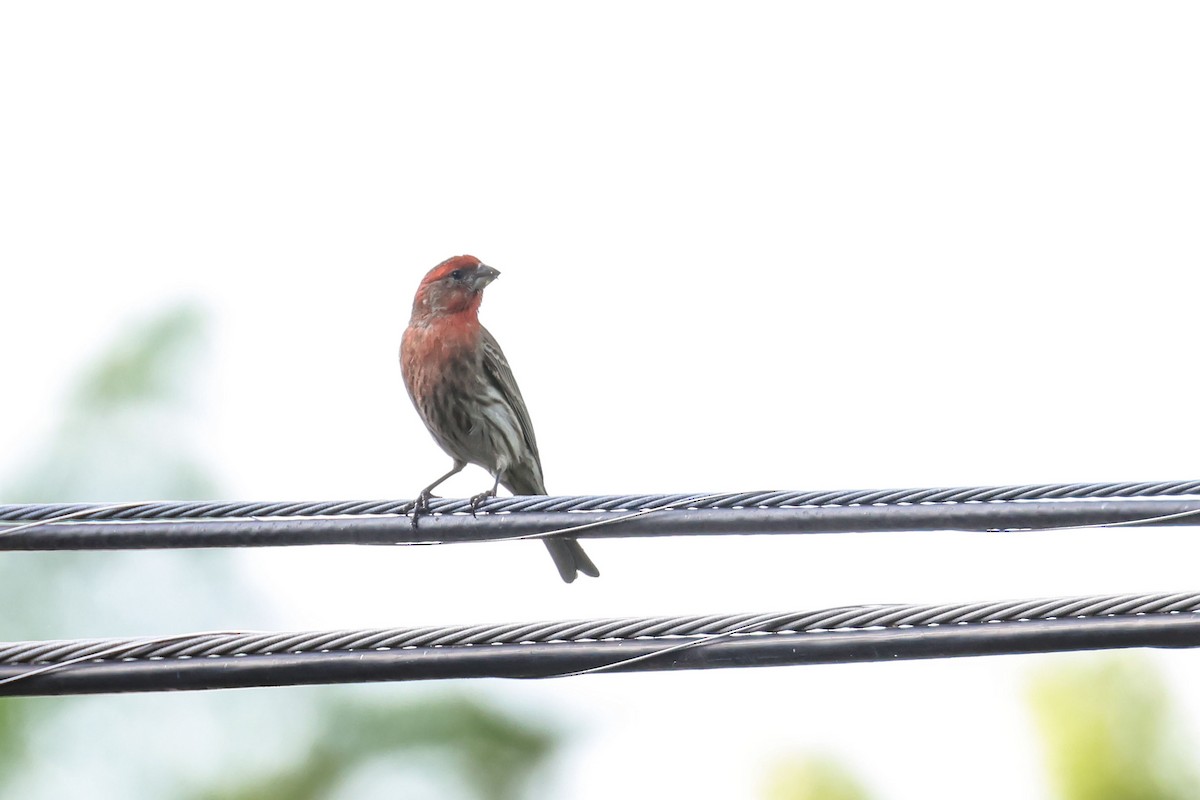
(418, 507)
(479, 499)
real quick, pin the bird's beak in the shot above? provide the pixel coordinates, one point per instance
(483, 276)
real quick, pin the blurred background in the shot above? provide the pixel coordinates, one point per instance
(743, 247)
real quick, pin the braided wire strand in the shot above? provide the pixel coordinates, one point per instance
(854, 618)
(736, 500)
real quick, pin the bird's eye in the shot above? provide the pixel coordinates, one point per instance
(457, 274)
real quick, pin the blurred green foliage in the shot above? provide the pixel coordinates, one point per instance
(813, 778)
(476, 751)
(150, 365)
(1108, 732)
(126, 430)
(12, 744)
(1106, 729)
(129, 432)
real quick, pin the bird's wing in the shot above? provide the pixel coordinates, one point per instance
(495, 366)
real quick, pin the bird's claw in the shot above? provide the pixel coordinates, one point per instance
(418, 507)
(479, 499)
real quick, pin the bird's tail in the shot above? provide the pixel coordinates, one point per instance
(567, 553)
(570, 559)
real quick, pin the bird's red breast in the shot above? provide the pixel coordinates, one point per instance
(443, 333)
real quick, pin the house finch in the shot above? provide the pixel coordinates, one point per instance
(464, 390)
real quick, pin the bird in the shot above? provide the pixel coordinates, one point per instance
(464, 391)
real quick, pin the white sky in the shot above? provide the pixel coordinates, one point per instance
(743, 246)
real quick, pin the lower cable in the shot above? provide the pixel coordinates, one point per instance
(231, 659)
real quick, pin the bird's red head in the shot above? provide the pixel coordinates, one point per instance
(452, 287)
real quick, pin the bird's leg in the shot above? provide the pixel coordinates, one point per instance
(478, 499)
(421, 504)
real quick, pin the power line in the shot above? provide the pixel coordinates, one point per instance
(539, 650)
(860, 633)
(257, 524)
(767, 499)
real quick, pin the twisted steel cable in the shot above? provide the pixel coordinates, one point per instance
(137, 525)
(670, 629)
(608, 503)
(384, 522)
